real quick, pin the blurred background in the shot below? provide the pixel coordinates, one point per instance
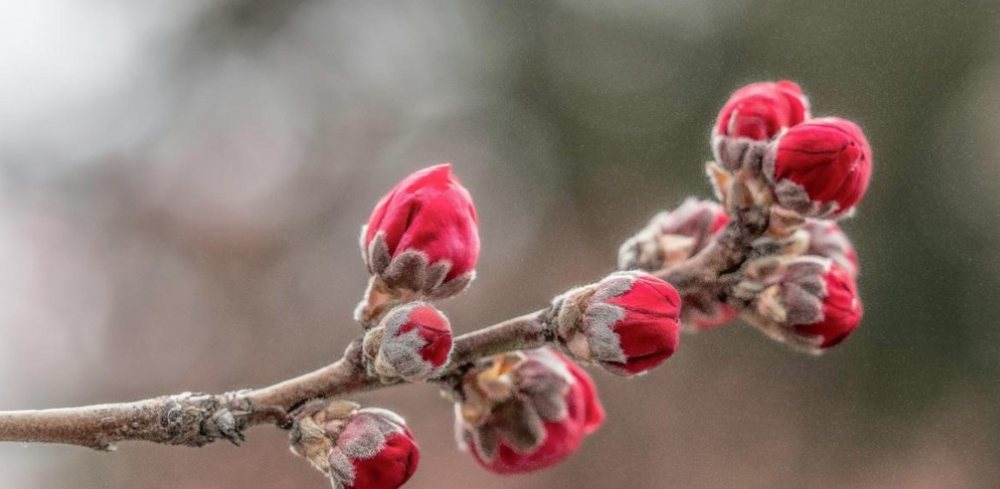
(182, 184)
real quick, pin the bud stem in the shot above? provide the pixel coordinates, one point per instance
(722, 255)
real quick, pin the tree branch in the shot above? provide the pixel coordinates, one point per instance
(195, 419)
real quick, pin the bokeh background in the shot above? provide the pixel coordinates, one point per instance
(182, 182)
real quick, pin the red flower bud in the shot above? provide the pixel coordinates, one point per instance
(374, 449)
(808, 302)
(415, 342)
(826, 239)
(423, 235)
(628, 322)
(841, 308)
(753, 116)
(541, 416)
(819, 168)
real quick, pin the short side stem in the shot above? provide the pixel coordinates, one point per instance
(725, 253)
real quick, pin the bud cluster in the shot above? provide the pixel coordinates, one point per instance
(766, 137)
(517, 412)
(790, 272)
(799, 284)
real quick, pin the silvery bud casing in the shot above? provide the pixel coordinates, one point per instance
(369, 448)
(526, 411)
(807, 302)
(628, 323)
(752, 117)
(413, 342)
(672, 237)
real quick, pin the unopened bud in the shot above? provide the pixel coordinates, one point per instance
(550, 407)
(752, 117)
(413, 342)
(628, 322)
(421, 241)
(819, 168)
(807, 302)
(368, 448)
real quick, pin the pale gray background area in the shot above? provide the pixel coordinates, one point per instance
(181, 184)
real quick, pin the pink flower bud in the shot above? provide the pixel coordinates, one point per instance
(628, 322)
(548, 407)
(826, 239)
(819, 168)
(374, 449)
(808, 302)
(753, 116)
(415, 342)
(423, 235)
